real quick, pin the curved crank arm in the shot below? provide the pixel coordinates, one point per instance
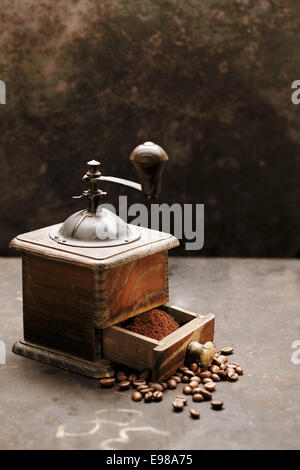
(128, 183)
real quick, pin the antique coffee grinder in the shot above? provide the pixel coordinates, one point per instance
(83, 277)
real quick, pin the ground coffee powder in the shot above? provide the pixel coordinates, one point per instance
(155, 324)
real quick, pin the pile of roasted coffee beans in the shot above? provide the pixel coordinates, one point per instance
(199, 382)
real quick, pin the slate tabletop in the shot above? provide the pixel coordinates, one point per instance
(256, 303)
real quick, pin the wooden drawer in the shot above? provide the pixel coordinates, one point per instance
(162, 357)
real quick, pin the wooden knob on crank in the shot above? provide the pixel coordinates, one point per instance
(149, 160)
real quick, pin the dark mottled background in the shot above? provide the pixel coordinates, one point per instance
(208, 80)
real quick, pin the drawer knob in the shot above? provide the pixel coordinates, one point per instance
(203, 353)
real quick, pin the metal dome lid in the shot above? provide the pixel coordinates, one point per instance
(100, 229)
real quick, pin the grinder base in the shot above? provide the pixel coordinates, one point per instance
(97, 370)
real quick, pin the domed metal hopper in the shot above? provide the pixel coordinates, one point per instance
(101, 229)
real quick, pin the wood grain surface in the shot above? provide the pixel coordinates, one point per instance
(66, 306)
(39, 242)
(135, 287)
(60, 307)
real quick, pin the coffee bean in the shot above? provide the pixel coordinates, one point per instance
(234, 364)
(124, 385)
(172, 383)
(211, 386)
(148, 397)
(195, 379)
(182, 398)
(223, 359)
(239, 370)
(223, 366)
(205, 374)
(193, 384)
(145, 374)
(157, 395)
(206, 394)
(214, 369)
(215, 377)
(231, 365)
(179, 374)
(196, 390)
(195, 414)
(138, 382)
(217, 361)
(232, 376)
(194, 367)
(189, 373)
(107, 383)
(216, 405)
(185, 379)
(198, 397)
(206, 381)
(164, 385)
(227, 350)
(175, 377)
(156, 386)
(132, 377)
(177, 405)
(146, 390)
(140, 388)
(136, 396)
(222, 374)
(199, 370)
(187, 390)
(182, 369)
(121, 376)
